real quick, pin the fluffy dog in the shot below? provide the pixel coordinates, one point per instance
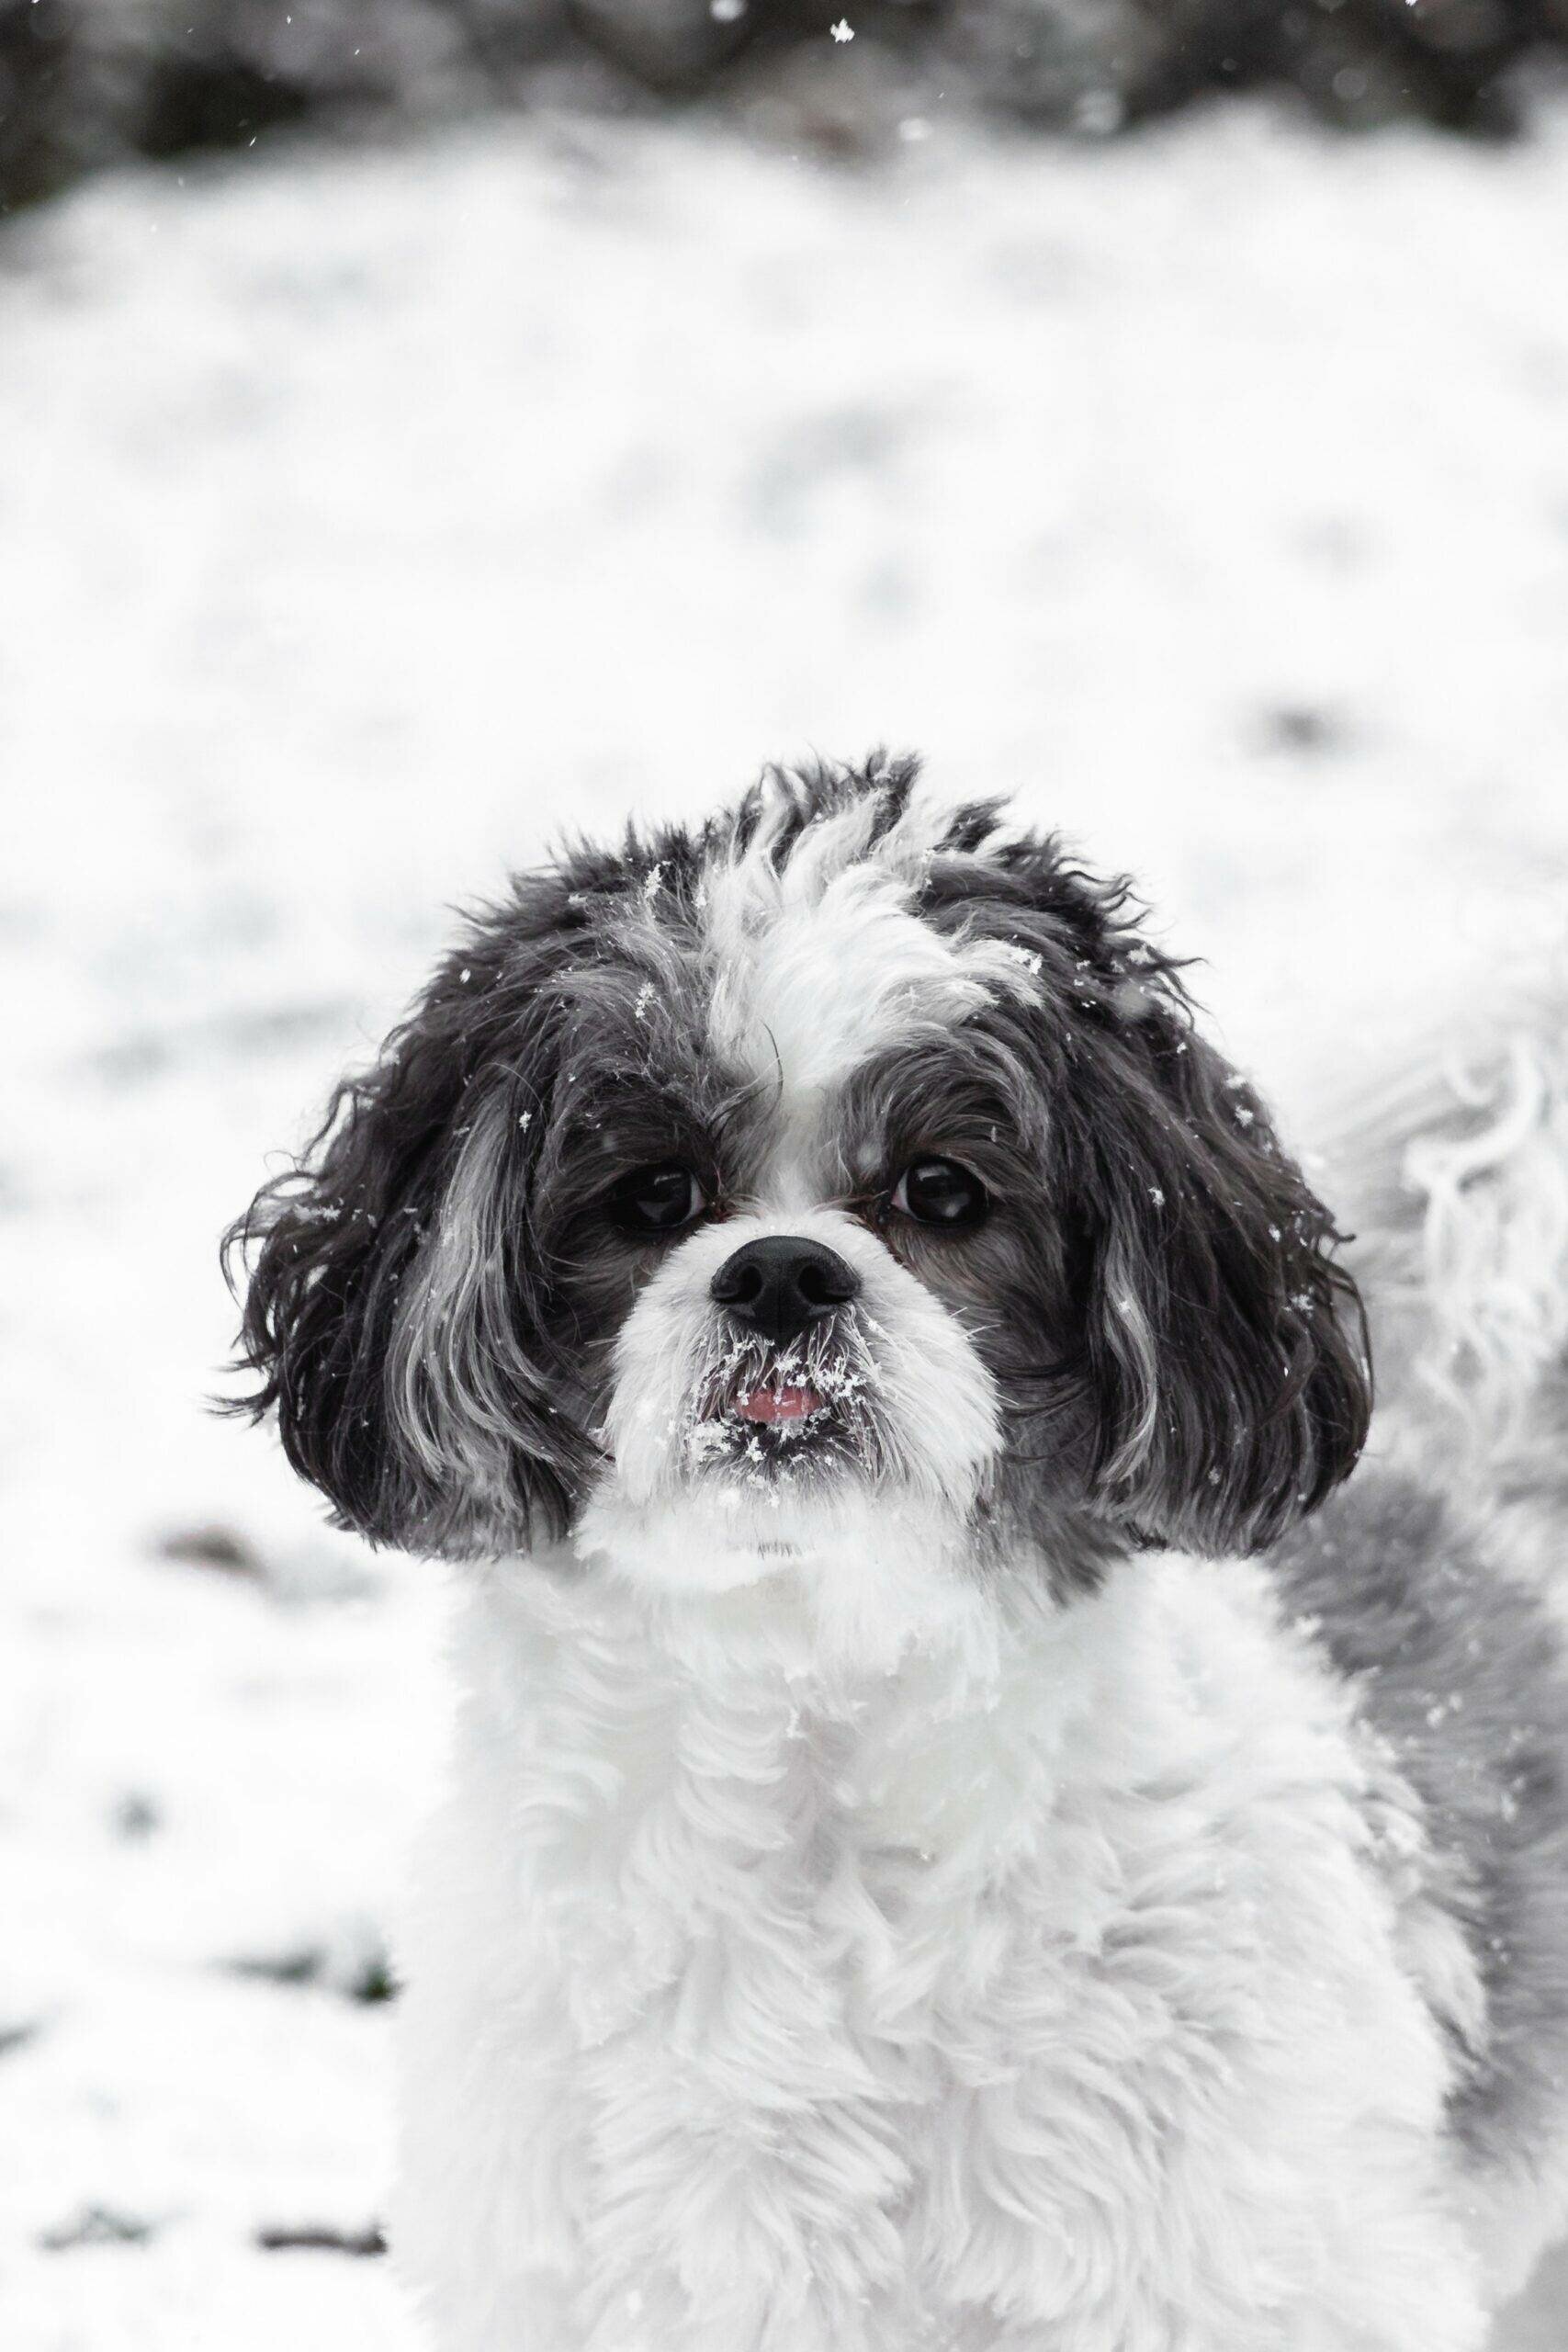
(945, 1853)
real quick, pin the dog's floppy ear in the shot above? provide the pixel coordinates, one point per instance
(1218, 1350)
(1226, 1348)
(394, 1316)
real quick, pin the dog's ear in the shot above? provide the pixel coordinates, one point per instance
(1226, 1348)
(394, 1316)
(1215, 1351)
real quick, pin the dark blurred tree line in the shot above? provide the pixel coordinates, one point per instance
(84, 82)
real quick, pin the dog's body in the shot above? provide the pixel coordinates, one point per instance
(1101, 1993)
(895, 1896)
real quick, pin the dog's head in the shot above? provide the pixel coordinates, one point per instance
(841, 1154)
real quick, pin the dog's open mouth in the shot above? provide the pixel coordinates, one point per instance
(778, 1405)
(768, 1410)
(765, 1414)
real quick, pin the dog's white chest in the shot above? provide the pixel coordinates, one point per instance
(748, 2014)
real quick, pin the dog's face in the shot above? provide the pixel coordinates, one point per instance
(843, 1166)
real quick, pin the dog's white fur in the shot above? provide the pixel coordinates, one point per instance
(817, 963)
(1069, 1969)
(825, 1947)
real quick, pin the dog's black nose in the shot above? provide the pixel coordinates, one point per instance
(783, 1284)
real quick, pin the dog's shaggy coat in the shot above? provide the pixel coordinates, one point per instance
(944, 1853)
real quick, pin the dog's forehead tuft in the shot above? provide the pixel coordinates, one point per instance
(818, 956)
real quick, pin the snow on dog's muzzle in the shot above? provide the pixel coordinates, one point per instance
(775, 1363)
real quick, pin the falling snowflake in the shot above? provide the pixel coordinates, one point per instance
(843, 29)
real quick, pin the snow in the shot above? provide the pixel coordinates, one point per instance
(365, 517)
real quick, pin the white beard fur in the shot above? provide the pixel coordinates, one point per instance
(1064, 1982)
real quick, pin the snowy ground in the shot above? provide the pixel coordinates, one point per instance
(363, 519)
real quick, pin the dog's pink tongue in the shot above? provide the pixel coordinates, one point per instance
(781, 1404)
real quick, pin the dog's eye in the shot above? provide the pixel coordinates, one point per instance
(656, 1199)
(938, 1191)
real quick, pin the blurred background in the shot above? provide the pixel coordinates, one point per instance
(429, 424)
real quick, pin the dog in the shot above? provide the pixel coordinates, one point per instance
(966, 1833)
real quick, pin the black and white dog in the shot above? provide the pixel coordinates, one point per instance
(940, 1859)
